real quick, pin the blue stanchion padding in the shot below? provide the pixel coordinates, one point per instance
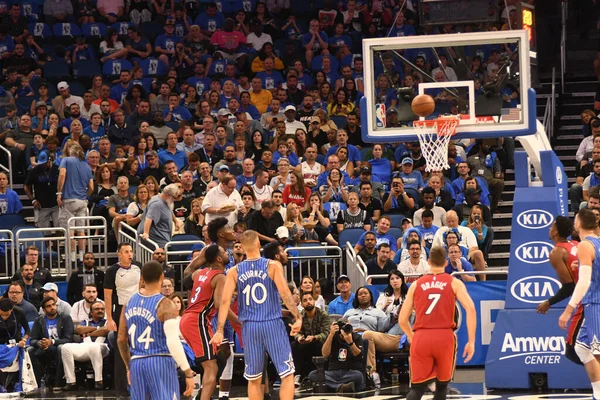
(527, 342)
(531, 278)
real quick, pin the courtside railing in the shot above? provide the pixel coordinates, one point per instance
(52, 246)
(178, 255)
(95, 237)
(7, 253)
(316, 261)
(7, 169)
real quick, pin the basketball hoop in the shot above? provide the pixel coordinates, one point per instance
(434, 136)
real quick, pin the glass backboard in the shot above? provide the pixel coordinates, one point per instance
(482, 77)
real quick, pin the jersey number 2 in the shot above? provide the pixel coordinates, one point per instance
(434, 297)
(145, 338)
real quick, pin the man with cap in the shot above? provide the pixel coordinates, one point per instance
(8, 122)
(165, 43)
(153, 168)
(64, 99)
(392, 118)
(343, 302)
(50, 289)
(39, 121)
(472, 198)
(229, 161)
(413, 180)
(223, 116)
(41, 187)
(291, 123)
(365, 177)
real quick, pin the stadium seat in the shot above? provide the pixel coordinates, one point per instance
(9, 221)
(396, 220)
(86, 69)
(66, 33)
(24, 104)
(395, 232)
(56, 70)
(350, 235)
(94, 30)
(320, 158)
(121, 27)
(132, 190)
(349, 60)
(340, 122)
(151, 30)
(112, 68)
(31, 10)
(76, 88)
(317, 64)
(153, 67)
(40, 31)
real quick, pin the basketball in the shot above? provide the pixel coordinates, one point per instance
(423, 105)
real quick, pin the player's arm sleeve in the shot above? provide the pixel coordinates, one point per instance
(174, 344)
(564, 292)
(583, 284)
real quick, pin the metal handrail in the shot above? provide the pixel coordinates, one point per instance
(455, 273)
(553, 105)
(563, 44)
(89, 237)
(8, 169)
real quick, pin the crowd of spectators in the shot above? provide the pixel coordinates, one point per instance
(238, 109)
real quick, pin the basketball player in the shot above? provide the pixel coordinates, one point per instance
(195, 325)
(149, 341)
(220, 232)
(563, 259)
(433, 342)
(587, 292)
(261, 287)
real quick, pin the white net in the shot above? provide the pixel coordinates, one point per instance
(434, 137)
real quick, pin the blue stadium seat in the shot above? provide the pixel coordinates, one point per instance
(24, 104)
(9, 221)
(349, 59)
(132, 190)
(317, 63)
(49, 49)
(56, 70)
(31, 10)
(66, 32)
(112, 68)
(321, 158)
(396, 220)
(340, 122)
(86, 69)
(76, 88)
(153, 67)
(40, 31)
(395, 232)
(121, 27)
(95, 30)
(173, 125)
(151, 30)
(350, 235)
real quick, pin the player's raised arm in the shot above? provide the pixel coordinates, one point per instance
(228, 289)
(405, 312)
(167, 314)
(586, 253)
(467, 303)
(276, 273)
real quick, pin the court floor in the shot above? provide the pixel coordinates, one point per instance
(468, 385)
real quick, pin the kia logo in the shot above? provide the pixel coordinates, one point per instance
(535, 289)
(535, 219)
(534, 252)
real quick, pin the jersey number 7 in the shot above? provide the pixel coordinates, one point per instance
(435, 298)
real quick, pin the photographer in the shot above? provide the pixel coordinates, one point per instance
(309, 342)
(344, 351)
(398, 201)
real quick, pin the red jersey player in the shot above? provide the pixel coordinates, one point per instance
(563, 259)
(195, 324)
(433, 342)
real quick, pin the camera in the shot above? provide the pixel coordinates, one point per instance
(345, 327)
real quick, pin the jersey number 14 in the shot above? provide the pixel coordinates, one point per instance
(145, 338)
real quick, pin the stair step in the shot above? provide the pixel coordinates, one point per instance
(569, 137)
(570, 128)
(499, 255)
(567, 147)
(570, 118)
(501, 242)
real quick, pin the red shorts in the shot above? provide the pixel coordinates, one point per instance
(574, 325)
(197, 333)
(432, 355)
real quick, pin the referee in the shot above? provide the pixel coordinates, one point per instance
(121, 281)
